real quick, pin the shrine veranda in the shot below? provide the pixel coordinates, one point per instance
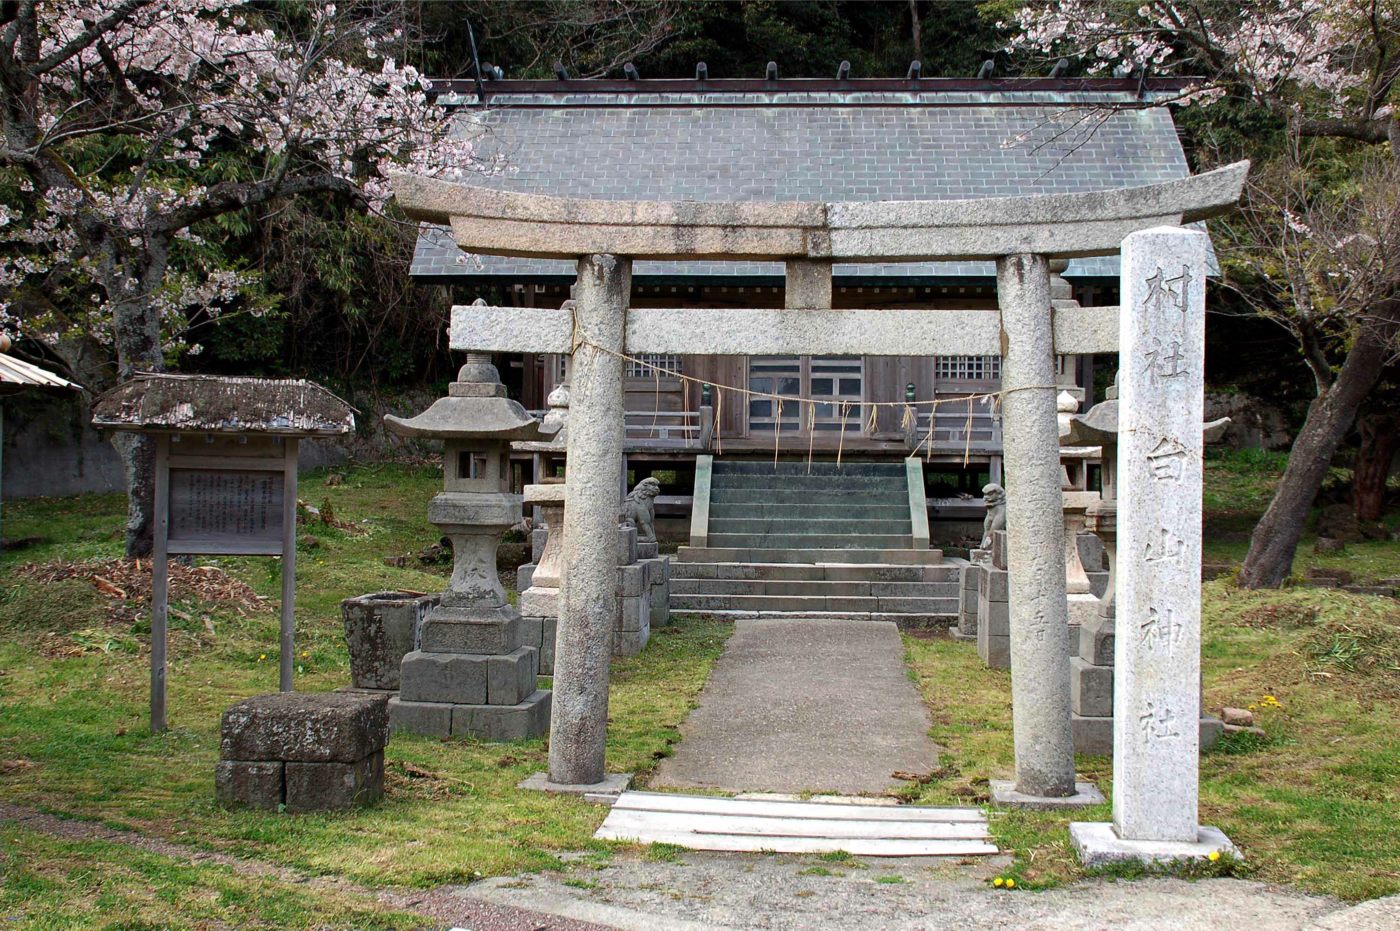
(1158, 330)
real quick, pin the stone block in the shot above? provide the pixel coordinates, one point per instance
(1091, 552)
(1092, 736)
(510, 679)
(538, 538)
(498, 631)
(521, 721)
(457, 678)
(524, 576)
(432, 719)
(540, 602)
(629, 642)
(379, 629)
(307, 727)
(335, 786)
(252, 784)
(999, 550)
(1096, 641)
(1090, 689)
(995, 616)
(1098, 583)
(532, 631)
(631, 580)
(634, 614)
(546, 662)
(1004, 793)
(648, 550)
(995, 651)
(992, 585)
(626, 545)
(1083, 608)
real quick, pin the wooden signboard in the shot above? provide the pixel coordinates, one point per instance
(222, 496)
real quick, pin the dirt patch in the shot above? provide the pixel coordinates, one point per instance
(126, 585)
(1363, 651)
(1282, 616)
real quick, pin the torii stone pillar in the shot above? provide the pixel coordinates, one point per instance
(588, 602)
(1039, 615)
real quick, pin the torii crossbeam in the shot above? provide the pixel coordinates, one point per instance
(1020, 233)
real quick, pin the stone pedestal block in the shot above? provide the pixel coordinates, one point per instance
(524, 576)
(658, 584)
(1090, 689)
(444, 677)
(304, 751)
(250, 784)
(648, 550)
(999, 550)
(538, 538)
(490, 630)
(335, 786)
(379, 630)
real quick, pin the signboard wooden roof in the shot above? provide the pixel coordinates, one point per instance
(18, 375)
(223, 404)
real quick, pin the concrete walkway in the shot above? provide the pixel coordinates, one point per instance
(805, 704)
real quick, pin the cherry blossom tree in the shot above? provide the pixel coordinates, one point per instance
(132, 128)
(1326, 73)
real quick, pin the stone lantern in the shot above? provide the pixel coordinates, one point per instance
(471, 674)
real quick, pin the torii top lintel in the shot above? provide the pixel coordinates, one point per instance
(494, 222)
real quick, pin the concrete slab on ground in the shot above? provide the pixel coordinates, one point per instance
(805, 704)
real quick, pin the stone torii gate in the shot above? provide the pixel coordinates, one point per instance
(1021, 234)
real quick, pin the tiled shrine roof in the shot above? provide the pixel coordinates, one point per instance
(804, 141)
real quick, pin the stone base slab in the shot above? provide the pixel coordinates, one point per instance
(1098, 844)
(605, 792)
(957, 634)
(1004, 793)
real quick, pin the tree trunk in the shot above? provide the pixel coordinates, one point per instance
(136, 328)
(1380, 437)
(1330, 416)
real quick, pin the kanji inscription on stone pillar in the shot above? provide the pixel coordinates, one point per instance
(1158, 668)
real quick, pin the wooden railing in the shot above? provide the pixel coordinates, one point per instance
(667, 429)
(958, 424)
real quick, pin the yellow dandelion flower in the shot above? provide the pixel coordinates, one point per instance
(261, 657)
(1213, 856)
(998, 882)
(304, 654)
(1011, 884)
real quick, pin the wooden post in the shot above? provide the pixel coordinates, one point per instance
(289, 561)
(160, 580)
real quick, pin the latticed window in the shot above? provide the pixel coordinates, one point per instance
(967, 368)
(641, 366)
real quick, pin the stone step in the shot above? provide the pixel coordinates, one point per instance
(786, 526)
(845, 469)
(844, 497)
(729, 554)
(814, 587)
(802, 604)
(836, 541)
(787, 572)
(807, 510)
(904, 621)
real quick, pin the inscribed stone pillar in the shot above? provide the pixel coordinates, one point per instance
(1158, 655)
(1039, 623)
(583, 645)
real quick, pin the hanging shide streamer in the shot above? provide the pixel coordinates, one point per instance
(811, 431)
(842, 411)
(777, 432)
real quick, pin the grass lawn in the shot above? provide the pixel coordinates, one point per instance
(74, 737)
(1313, 805)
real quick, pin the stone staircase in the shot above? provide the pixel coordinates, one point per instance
(830, 541)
